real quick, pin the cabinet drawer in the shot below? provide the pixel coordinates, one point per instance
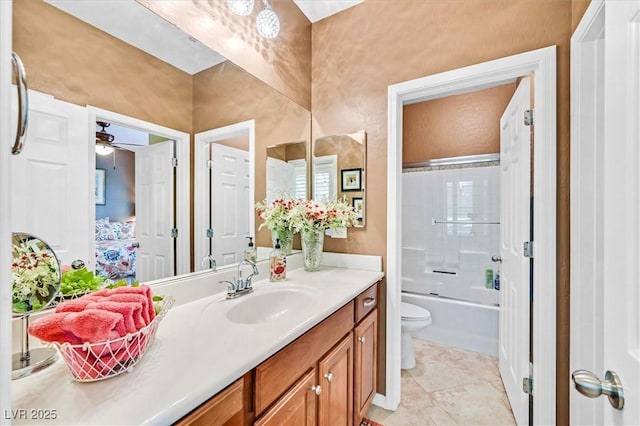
(281, 371)
(366, 302)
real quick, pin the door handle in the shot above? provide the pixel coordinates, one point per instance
(23, 104)
(590, 385)
(135, 245)
(496, 258)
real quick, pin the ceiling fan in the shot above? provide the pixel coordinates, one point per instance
(104, 140)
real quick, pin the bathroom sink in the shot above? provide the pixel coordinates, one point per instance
(271, 305)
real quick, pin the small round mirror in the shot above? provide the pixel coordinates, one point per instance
(35, 274)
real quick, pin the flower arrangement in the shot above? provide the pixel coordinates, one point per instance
(299, 215)
(322, 215)
(35, 274)
(277, 216)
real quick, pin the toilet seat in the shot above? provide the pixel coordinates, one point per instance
(410, 312)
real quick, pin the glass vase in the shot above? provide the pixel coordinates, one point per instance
(286, 240)
(312, 244)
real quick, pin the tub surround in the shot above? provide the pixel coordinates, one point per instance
(460, 324)
(198, 351)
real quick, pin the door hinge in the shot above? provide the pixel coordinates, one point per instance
(527, 385)
(209, 164)
(174, 232)
(527, 249)
(528, 117)
(174, 162)
(209, 233)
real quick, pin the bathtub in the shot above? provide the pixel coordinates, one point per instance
(458, 323)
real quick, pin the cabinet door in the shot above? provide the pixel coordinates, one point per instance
(336, 378)
(225, 408)
(296, 407)
(365, 364)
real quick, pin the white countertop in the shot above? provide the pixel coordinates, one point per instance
(197, 352)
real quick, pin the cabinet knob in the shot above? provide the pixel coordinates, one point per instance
(329, 377)
(316, 389)
(361, 339)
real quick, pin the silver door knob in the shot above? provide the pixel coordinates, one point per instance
(361, 339)
(316, 389)
(496, 258)
(329, 377)
(590, 385)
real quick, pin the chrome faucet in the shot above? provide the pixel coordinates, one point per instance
(238, 286)
(208, 262)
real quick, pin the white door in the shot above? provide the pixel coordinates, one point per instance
(51, 180)
(281, 180)
(605, 213)
(230, 207)
(155, 206)
(515, 169)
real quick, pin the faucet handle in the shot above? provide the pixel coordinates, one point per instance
(231, 287)
(247, 282)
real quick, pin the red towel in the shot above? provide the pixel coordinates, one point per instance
(144, 290)
(136, 298)
(94, 325)
(75, 305)
(49, 329)
(126, 309)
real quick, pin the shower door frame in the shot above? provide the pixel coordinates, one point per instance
(542, 64)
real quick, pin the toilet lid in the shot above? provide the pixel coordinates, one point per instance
(409, 312)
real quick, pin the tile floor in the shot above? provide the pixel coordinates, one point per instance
(449, 386)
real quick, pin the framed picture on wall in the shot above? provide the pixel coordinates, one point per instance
(101, 180)
(358, 207)
(351, 180)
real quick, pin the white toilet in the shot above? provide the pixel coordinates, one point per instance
(414, 318)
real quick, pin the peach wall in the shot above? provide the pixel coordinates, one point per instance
(283, 62)
(226, 94)
(80, 64)
(394, 41)
(454, 126)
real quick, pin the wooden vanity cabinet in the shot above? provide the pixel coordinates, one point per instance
(226, 408)
(365, 365)
(336, 381)
(297, 407)
(365, 352)
(326, 377)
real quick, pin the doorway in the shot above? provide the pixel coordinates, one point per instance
(176, 146)
(541, 63)
(224, 171)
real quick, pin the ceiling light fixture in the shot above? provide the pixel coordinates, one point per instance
(103, 139)
(267, 22)
(241, 7)
(102, 149)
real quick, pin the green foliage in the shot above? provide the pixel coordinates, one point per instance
(79, 281)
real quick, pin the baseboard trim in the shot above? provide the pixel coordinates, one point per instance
(379, 400)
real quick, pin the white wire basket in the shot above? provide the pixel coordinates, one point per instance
(91, 362)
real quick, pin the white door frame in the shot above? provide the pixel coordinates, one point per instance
(587, 46)
(6, 141)
(201, 197)
(542, 63)
(183, 141)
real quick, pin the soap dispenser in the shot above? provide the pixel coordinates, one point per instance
(250, 253)
(277, 264)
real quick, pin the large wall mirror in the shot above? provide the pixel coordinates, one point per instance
(339, 170)
(287, 171)
(78, 53)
